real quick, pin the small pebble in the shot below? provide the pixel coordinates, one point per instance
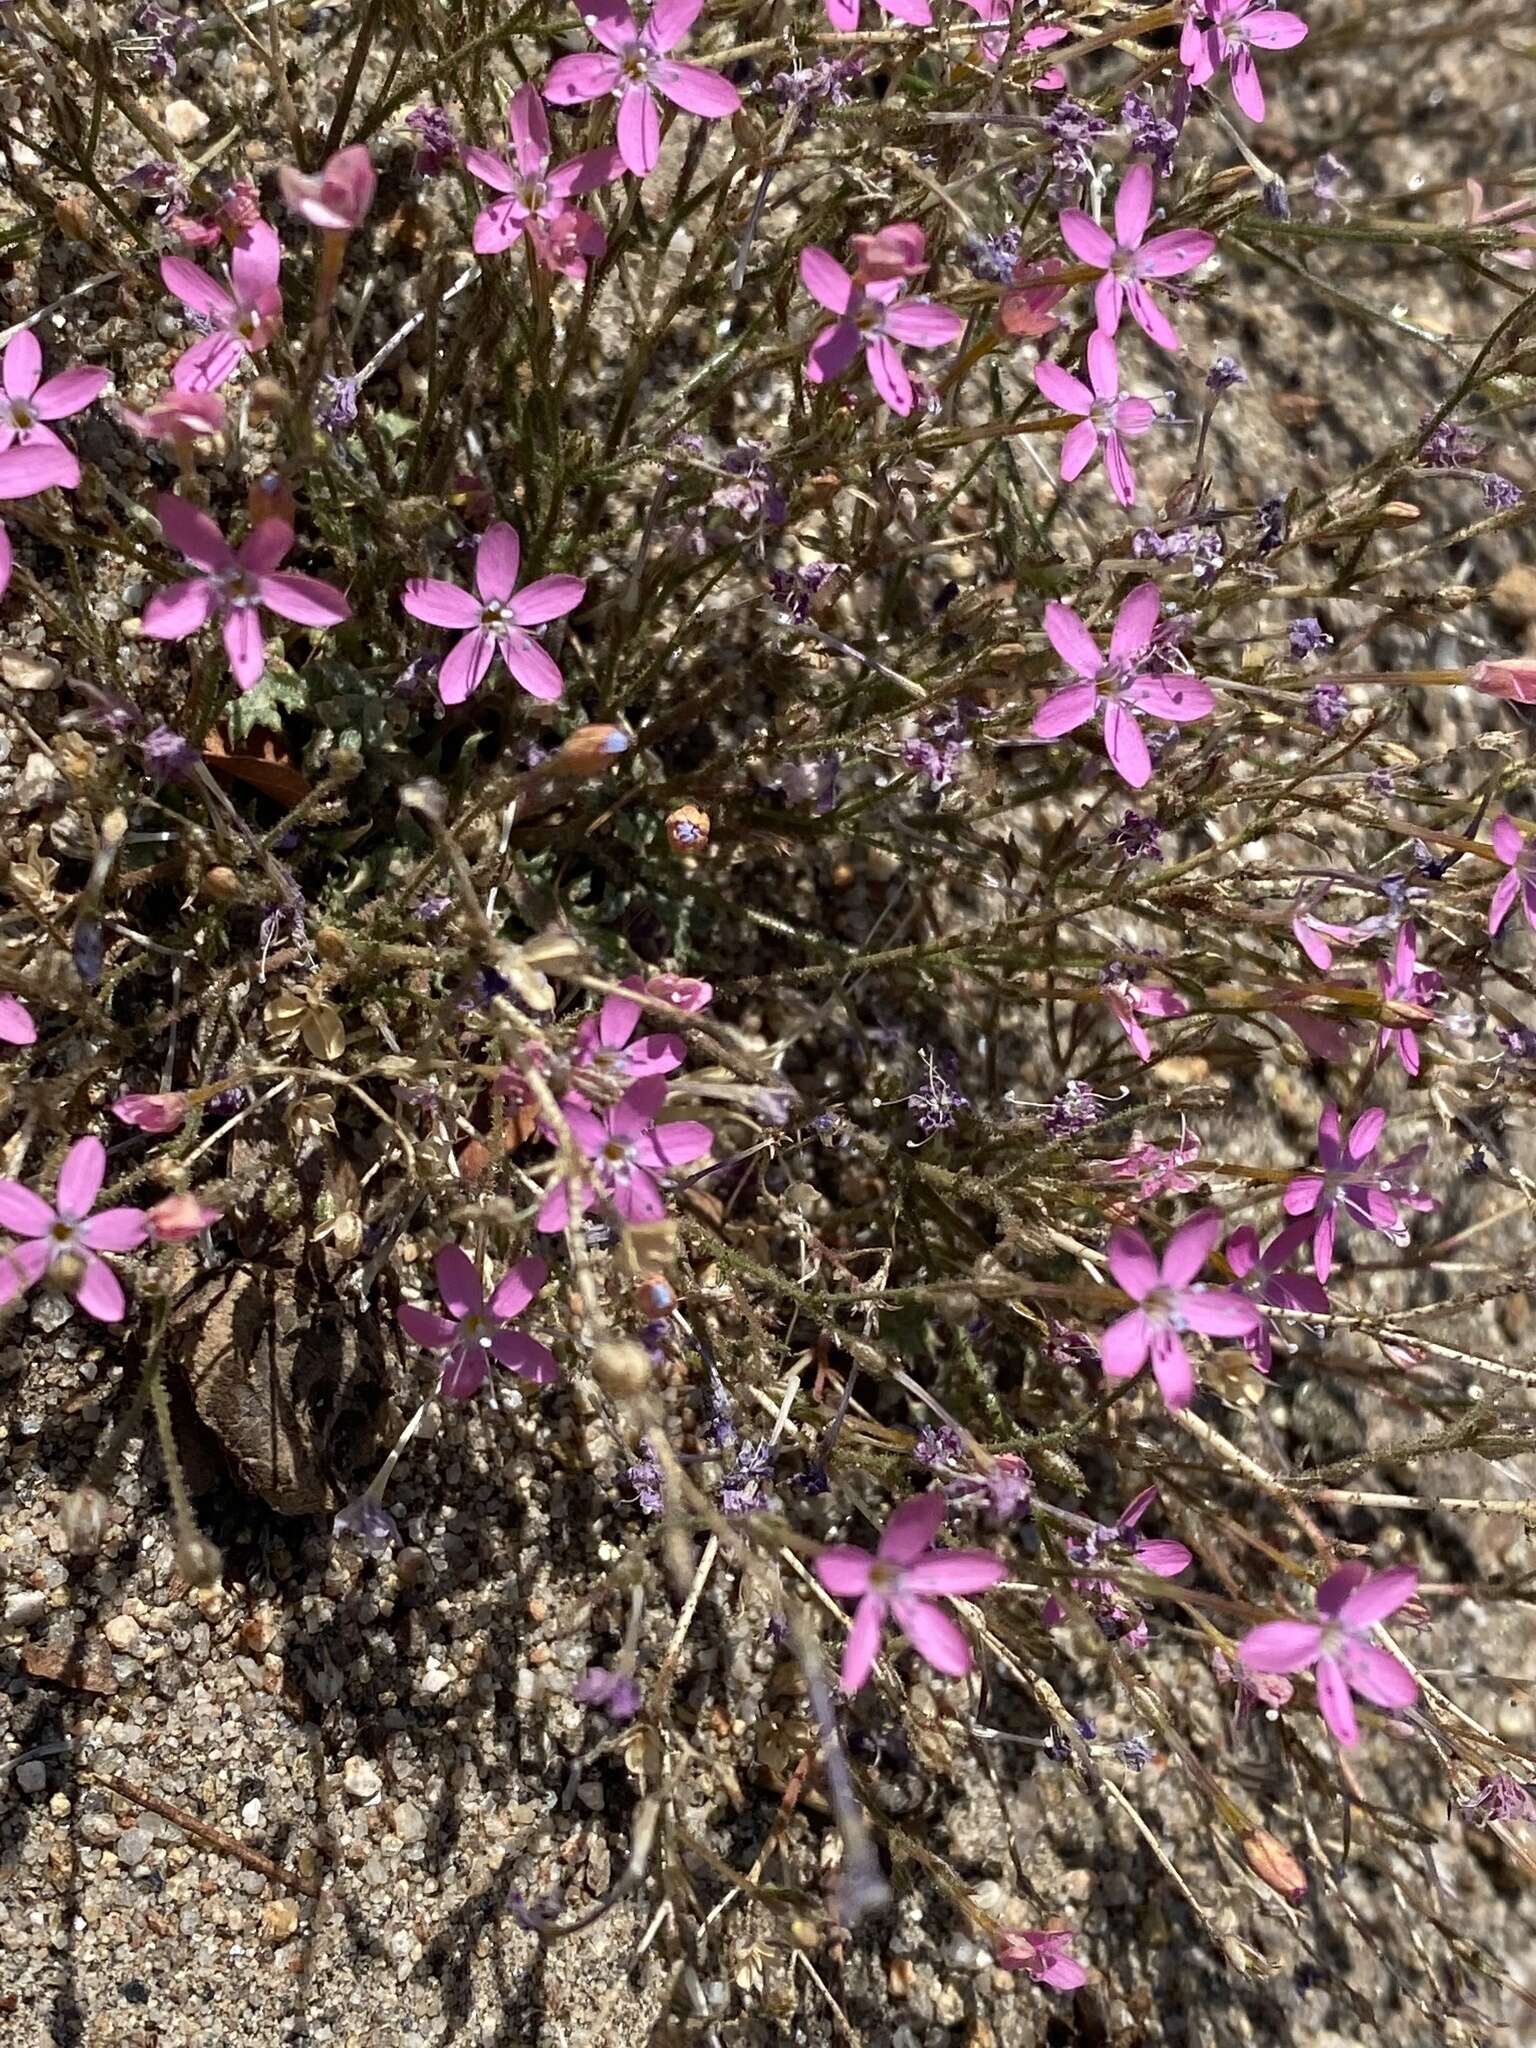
(133, 1845)
(360, 1780)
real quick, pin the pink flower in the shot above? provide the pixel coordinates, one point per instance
(1514, 681)
(16, 1025)
(242, 316)
(1167, 1305)
(339, 198)
(1042, 1951)
(1162, 1556)
(844, 14)
(66, 1228)
(179, 1217)
(475, 1331)
(1228, 32)
(682, 991)
(1312, 934)
(26, 405)
(1118, 682)
(608, 1056)
(234, 585)
(1523, 255)
(873, 315)
(1127, 258)
(26, 468)
(158, 1113)
(899, 250)
(629, 1152)
(537, 203)
(1103, 416)
(901, 1579)
(1028, 309)
(1405, 981)
(1374, 1197)
(494, 621)
(637, 67)
(1351, 1601)
(997, 45)
(1519, 856)
(178, 417)
(1261, 1276)
(1129, 1001)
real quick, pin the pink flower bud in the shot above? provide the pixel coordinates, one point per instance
(896, 251)
(158, 1113)
(683, 991)
(337, 199)
(179, 1217)
(1513, 680)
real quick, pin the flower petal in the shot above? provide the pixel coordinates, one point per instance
(458, 1282)
(434, 1332)
(888, 374)
(22, 364)
(1179, 699)
(518, 1287)
(1378, 1677)
(1333, 1700)
(1133, 205)
(1065, 391)
(1124, 1345)
(1377, 1596)
(1190, 1246)
(115, 1230)
(1135, 622)
(1171, 1369)
(832, 351)
(28, 1215)
(912, 1527)
(1131, 1263)
(525, 1356)
(437, 603)
(921, 324)
(178, 610)
(1123, 741)
(497, 561)
(32, 466)
(844, 1569)
(192, 533)
(1280, 1646)
(954, 1571)
(1065, 710)
(531, 667)
(825, 279)
(71, 392)
(244, 646)
(1088, 242)
(22, 1266)
(933, 1635)
(80, 1178)
(304, 599)
(99, 1292)
(588, 76)
(464, 666)
(551, 597)
(1218, 1312)
(863, 1645)
(639, 130)
(1072, 640)
(697, 89)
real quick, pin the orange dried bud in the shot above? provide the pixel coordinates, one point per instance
(270, 498)
(1273, 1864)
(688, 829)
(591, 750)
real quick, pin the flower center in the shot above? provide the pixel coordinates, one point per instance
(62, 1232)
(239, 586)
(493, 616)
(22, 415)
(476, 1328)
(615, 1152)
(635, 66)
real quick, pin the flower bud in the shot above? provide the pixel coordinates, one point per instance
(1273, 1864)
(157, 1113)
(688, 829)
(590, 750)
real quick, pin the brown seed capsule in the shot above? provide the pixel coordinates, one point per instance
(65, 1273)
(688, 829)
(590, 750)
(621, 1368)
(654, 1296)
(83, 1518)
(221, 885)
(268, 497)
(1273, 1864)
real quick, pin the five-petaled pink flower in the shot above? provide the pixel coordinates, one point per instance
(629, 1152)
(16, 1025)
(234, 585)
(1128, 1001)
(873, 315)
(1168, 1305)
(1373, 1195)
(65, 1228)
(496, 619)
(903, 1578)
(27, 404)
(537, 199)
(1351, 1601)
(26, 468)
(475, 1330)
(637, 66)
(1042, 1951)
(1228, 32)
(338, 198)
(1128, 259)
(243, 315)
(1119, 682)
(1104, 417)
(1519, 855)
(178, 417)
(608, 1056)
(1405, 981)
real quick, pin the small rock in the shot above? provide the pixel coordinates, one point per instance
(410, 1822)
(29, 671)
(133, 1845)
(31, 1776)
(360, 1780)
(184, 122)
(280, 1921)
(124, 1634)
(23, 1609)
(435, 1679)
(39, 783)
(1514, 595)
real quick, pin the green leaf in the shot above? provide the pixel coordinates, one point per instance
(281, 689)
